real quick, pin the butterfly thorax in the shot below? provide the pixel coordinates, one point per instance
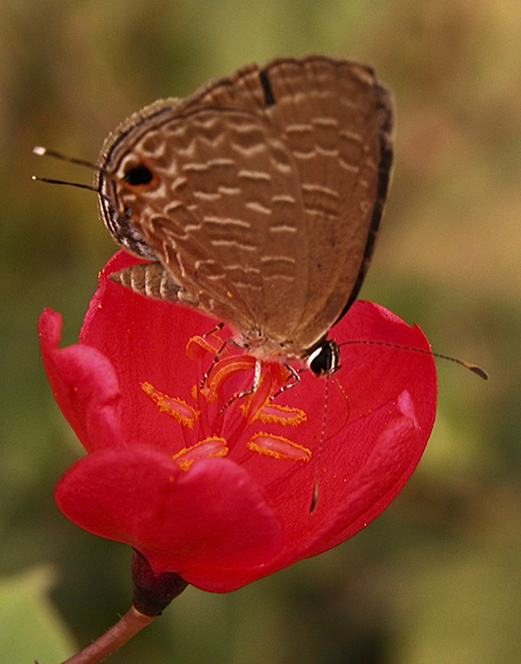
(266, 348)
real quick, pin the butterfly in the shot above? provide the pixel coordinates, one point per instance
(256, 200)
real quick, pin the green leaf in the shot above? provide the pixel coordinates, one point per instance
(31, 628)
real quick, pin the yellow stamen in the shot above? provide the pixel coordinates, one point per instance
(176, 408)
(222, 370)
(197, 346)
(276, 414)
(278, 447)
(204, 449)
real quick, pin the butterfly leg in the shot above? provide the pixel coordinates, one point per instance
(294, 379)
(218, 355)
(250, 390)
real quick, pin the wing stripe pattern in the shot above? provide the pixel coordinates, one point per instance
(265, 195)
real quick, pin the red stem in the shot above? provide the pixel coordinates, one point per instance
(128, 625)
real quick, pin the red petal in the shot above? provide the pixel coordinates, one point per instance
(378, 422)
(84, 385)
(204, 524)
(146, 341)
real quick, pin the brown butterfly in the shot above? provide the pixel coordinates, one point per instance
(257, 199)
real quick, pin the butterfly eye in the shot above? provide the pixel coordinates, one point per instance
(139, 174)
(324, 359)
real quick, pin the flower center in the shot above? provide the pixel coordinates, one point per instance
(229, 414)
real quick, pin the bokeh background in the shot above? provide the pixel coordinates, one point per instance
(437, 577)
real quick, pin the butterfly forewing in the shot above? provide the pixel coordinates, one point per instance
(208, 212)
(336, 120)
(264, 196)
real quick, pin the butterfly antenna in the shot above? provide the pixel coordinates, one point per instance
(70, 184)
(314, 497)
(41, 151)
(471, 367)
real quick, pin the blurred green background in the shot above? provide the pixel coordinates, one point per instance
(437, 577)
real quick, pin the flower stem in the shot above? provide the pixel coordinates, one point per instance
(152, 593)
(128, 625)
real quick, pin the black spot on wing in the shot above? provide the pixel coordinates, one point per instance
(269, 98)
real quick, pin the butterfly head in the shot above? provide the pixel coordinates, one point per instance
(117, 212)
(325, 358)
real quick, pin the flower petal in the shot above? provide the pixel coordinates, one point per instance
(392, 460)
(378, 421)
(145, 340)
(84, 385)
(207, 524)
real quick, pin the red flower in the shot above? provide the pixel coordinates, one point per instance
(222, 496)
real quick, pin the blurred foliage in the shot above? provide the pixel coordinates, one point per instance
(437, 577)
(29, 621)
